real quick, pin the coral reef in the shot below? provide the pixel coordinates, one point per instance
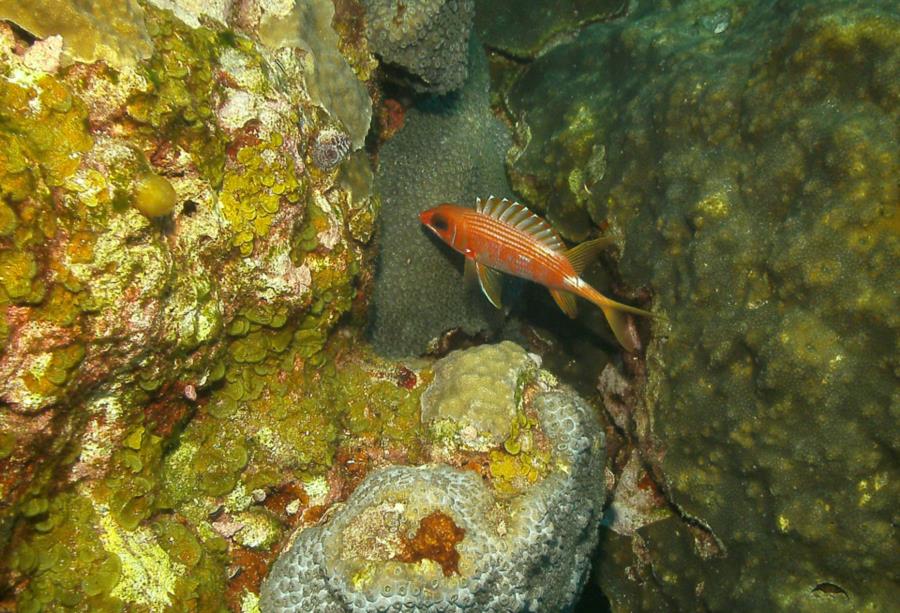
(449, 150)
(474, 393)
(523, 32)
(88, 31)
(744, 155)
(439, 537)
(169, 257)
(329, 77)
(329, 149)
(428, 40)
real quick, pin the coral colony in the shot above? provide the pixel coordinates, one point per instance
(237, 374)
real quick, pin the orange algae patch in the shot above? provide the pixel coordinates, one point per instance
(247, 570)
(435, 540)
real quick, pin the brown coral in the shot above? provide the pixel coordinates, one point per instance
(435, 540)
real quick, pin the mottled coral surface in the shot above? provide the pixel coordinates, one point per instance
(744, 154)
(170, 258)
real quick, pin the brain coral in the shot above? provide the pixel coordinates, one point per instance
(438, 538)
(426, 39)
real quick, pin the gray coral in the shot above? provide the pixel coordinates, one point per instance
(428, 39)
(527, 551)
(450, 150)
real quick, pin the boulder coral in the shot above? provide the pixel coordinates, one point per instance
(744, 155)
(450, 149)
(515, 534)
(428, 40)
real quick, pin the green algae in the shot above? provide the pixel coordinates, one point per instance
(132, 314)
(154, 195)
(111, 31)
(253, 189)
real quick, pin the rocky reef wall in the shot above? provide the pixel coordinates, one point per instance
(744, 156)
(209, 244)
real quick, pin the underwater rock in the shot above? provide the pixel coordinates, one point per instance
(436, 537)
(744, 155)
(451, 149)
(524, 30)
(111, 31)
(118, 330)
(427, 39)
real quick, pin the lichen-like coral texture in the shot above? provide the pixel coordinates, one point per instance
(745, 156)
(170, 260)
(446, 535)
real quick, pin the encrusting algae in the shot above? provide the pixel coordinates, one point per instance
(127, 340)
(191, 418)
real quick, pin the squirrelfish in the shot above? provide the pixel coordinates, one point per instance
(499, 235)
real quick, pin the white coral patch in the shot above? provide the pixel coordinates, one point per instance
(238, 109)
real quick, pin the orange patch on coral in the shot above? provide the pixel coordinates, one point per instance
(392, 115)
(278, 501)
(435, 540)
(246, 570)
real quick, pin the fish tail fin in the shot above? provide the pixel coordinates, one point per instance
(615, 313)
(584, 253)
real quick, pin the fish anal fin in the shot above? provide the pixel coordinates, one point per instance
(566, 302)
(583, 254)
(491, 283)
(616, 315)
(625, 333)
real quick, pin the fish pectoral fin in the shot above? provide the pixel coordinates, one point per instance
(469, 274)
(585, 253)
(491, 282)
(566, 302)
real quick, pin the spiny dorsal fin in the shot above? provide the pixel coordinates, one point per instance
(566, 302)
(582, 255)
(491, 283)
(519, 217)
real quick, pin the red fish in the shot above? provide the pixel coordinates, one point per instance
(504, 236)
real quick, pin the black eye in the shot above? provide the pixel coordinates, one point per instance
(439, 222)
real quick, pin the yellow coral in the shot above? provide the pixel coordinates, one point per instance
(91, 30)
(148, 574)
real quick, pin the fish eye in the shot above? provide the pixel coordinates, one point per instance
(439, 222)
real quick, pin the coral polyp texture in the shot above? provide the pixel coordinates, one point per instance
(428, 40)
(442, 537)
(449, 149)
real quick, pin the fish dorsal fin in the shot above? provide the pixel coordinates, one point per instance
(566, 302)
(582, 255)
(491, 282)
(520, 217)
